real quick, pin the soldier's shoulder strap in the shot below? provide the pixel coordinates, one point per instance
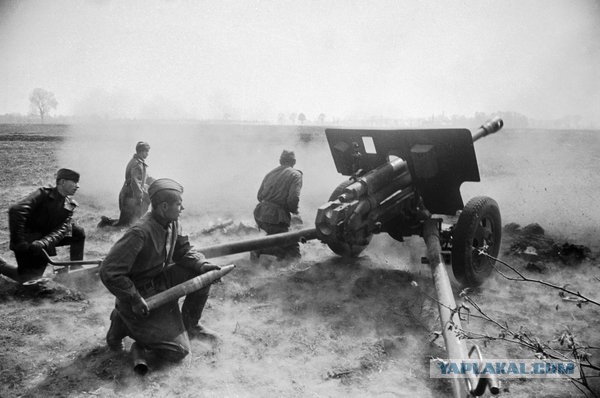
(70, 203)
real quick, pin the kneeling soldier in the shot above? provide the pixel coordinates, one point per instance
(43, 220)
(151, 257)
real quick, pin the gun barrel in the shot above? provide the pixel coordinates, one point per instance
(490, 127)
(375, 180)
(259, 243)
(187, 287)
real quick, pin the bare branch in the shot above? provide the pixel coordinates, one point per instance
(523, 278)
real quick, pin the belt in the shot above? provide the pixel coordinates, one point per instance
(146, 287)
(153, 286)
(274, 204)
(271, 203)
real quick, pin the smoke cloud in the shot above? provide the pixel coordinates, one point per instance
(546, 177)
(220, 166)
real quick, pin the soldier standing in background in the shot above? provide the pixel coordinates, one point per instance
(43, 220)
(278, 196)
(133, 198)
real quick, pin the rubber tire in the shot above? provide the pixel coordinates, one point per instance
(340, 247)
(478, 223)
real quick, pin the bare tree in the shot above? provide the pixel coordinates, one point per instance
(301, 118)
(42, 101)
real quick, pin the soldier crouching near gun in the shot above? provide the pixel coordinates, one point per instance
(151, 257)
(43, 220)
(278, 196)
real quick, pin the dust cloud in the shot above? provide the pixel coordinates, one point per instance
(220, 166)
(539, 176)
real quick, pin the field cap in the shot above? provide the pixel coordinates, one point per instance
(164, 183)
(67, 174)
(141, 145)
(287, 156)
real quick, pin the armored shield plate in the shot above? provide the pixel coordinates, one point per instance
(439, 160)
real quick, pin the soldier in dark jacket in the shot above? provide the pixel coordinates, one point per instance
(151, 257)
(43, 220)
(133, 198)
(278, 196)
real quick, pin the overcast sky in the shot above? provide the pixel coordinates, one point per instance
(255, 59)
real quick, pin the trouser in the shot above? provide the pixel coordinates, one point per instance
(131, 209)
(32, 264)
(288, 251)
(164, 330)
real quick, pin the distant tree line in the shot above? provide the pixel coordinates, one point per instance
(510, 118)
(42, 102)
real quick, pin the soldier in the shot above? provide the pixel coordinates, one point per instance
(133, 198)
(43, 220)
(151, 257)
(278, 196)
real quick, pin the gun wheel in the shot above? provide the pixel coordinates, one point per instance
(336, 243)
(478, 228)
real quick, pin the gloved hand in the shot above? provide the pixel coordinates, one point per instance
(206, 267)
(140, 307)
(36, 246)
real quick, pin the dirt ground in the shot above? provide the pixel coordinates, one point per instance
(320, 327)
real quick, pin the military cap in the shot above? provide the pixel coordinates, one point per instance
(162, 184)
(141, 145)
(287, 156)
(67, 174)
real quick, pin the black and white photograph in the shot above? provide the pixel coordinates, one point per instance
(259, 198)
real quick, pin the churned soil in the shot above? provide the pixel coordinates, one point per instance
(321, 326)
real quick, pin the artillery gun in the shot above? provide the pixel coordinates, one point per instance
(398, 179)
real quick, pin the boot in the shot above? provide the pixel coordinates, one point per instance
(202, 332)
(116, 333)
(106, 222)
(9, 270)
(254, 257)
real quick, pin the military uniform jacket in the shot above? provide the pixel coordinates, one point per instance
(134, 266)
(43, 215)
(136, 179)
(279, 195)
(142, 254)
